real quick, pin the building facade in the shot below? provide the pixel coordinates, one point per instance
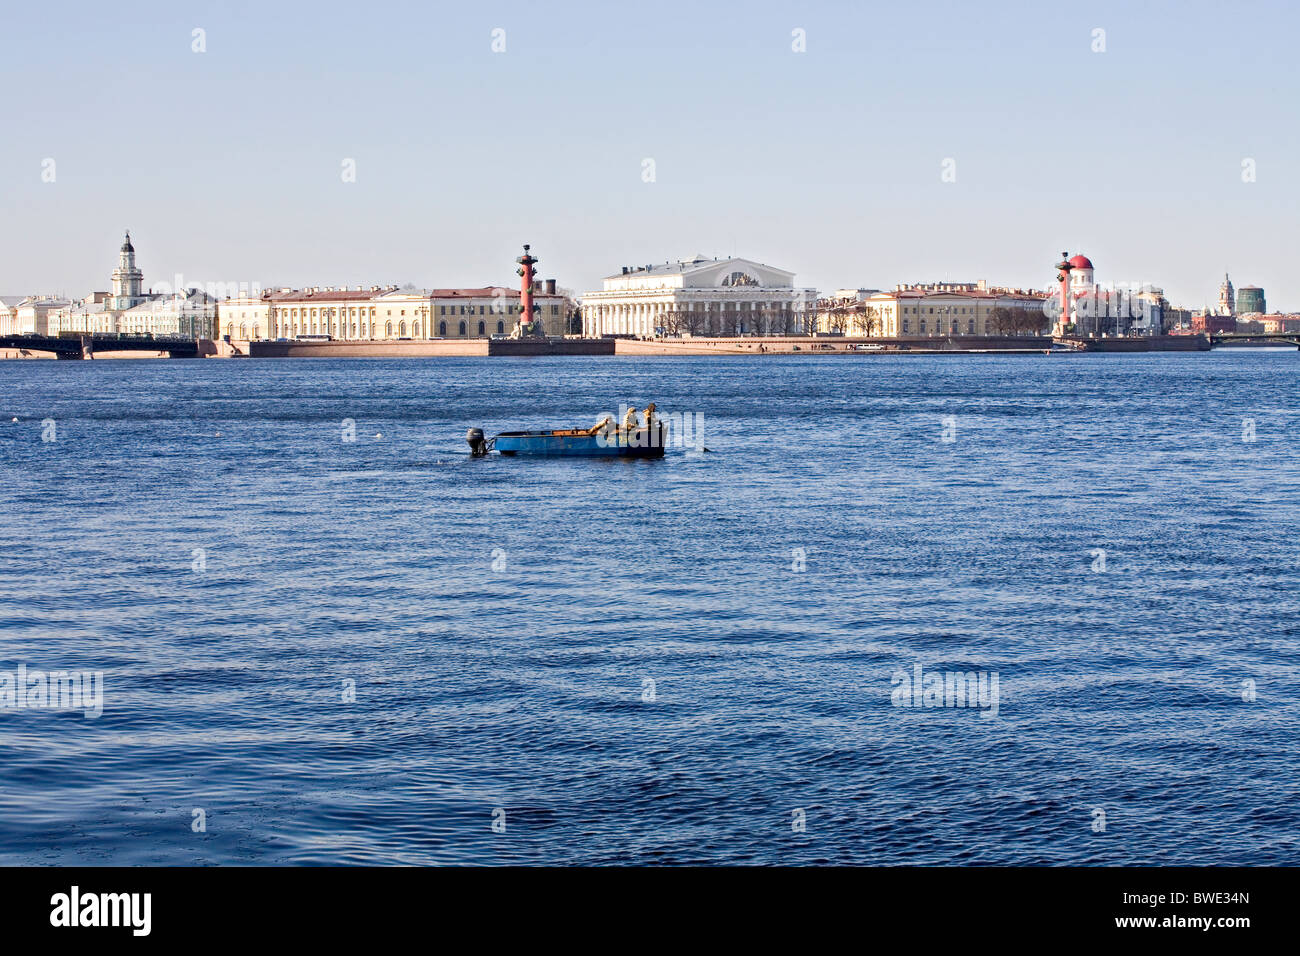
(1279, 322)
(31, 315)
(9, 313)
(938, 309)
(1213, 323)
(1250, 299)
(1089, 309)
(699, 296)
(131, 310)
(380, 313)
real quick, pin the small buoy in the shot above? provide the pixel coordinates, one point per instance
(378, 435)
(15, 419)
(217, 435)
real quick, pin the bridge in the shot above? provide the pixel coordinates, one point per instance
(83, 346)
(1246, 338)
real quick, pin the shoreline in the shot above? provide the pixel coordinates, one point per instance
(787, 346)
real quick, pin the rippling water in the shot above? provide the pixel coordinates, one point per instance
(503, 619)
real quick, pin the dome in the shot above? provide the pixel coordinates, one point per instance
(1081, 262)
(126, 244)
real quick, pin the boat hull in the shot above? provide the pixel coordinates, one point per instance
(580, 444)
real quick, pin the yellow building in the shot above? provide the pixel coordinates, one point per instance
(385, 313)
(938, 309)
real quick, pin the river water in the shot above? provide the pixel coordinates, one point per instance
(321, 650)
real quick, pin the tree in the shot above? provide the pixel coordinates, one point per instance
(837, 318)
(1027, 320)
(674, 321)
(867, 320)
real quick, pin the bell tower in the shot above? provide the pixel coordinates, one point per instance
(1227, 305)
(127, 279)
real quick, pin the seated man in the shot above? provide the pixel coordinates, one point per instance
(630, 421)
(604, 424)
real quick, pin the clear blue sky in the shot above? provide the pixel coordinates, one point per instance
(226, 164)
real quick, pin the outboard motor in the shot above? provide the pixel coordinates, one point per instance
(478, 446)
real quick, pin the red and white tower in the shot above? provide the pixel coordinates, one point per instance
(1075, 275)
(526, 263)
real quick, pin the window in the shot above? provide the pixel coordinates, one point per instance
(442, 328)
(462, 328)
(388, 330)
(501, 326)
(401, 328)
(243, 331)
(482, 328)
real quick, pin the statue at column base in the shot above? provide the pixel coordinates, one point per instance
(529, 330)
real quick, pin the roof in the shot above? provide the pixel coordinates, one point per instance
(326, 295)
(995, 293)
(688, 265)
(330, 295)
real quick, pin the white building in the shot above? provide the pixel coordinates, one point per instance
(85, 315)
(191, 314)
(380, 313)
(699, 296)
(9, 313)
(31, 315)
(129, 310)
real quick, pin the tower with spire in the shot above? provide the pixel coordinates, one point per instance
(1227, 303)
(128, 281)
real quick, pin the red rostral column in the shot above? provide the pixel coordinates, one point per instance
(526, 263)
(1063, 276)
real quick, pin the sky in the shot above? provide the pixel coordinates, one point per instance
(906, 142)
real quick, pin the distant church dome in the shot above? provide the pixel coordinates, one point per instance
(1081, 262)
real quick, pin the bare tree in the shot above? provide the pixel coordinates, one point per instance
(866, 319)
(837, 318)
(674, 322)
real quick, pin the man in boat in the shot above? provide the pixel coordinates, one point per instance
(631, 422)
(652, 437)
(603, 425)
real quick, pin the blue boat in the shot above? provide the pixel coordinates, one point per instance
(573, 443)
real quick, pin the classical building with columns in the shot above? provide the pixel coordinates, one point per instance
(699, 296)
(381, 313)
(937, 309)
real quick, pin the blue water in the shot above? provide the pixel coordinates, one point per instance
(502, 619)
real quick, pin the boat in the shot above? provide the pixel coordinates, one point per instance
(573, 442)
(604, 440)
